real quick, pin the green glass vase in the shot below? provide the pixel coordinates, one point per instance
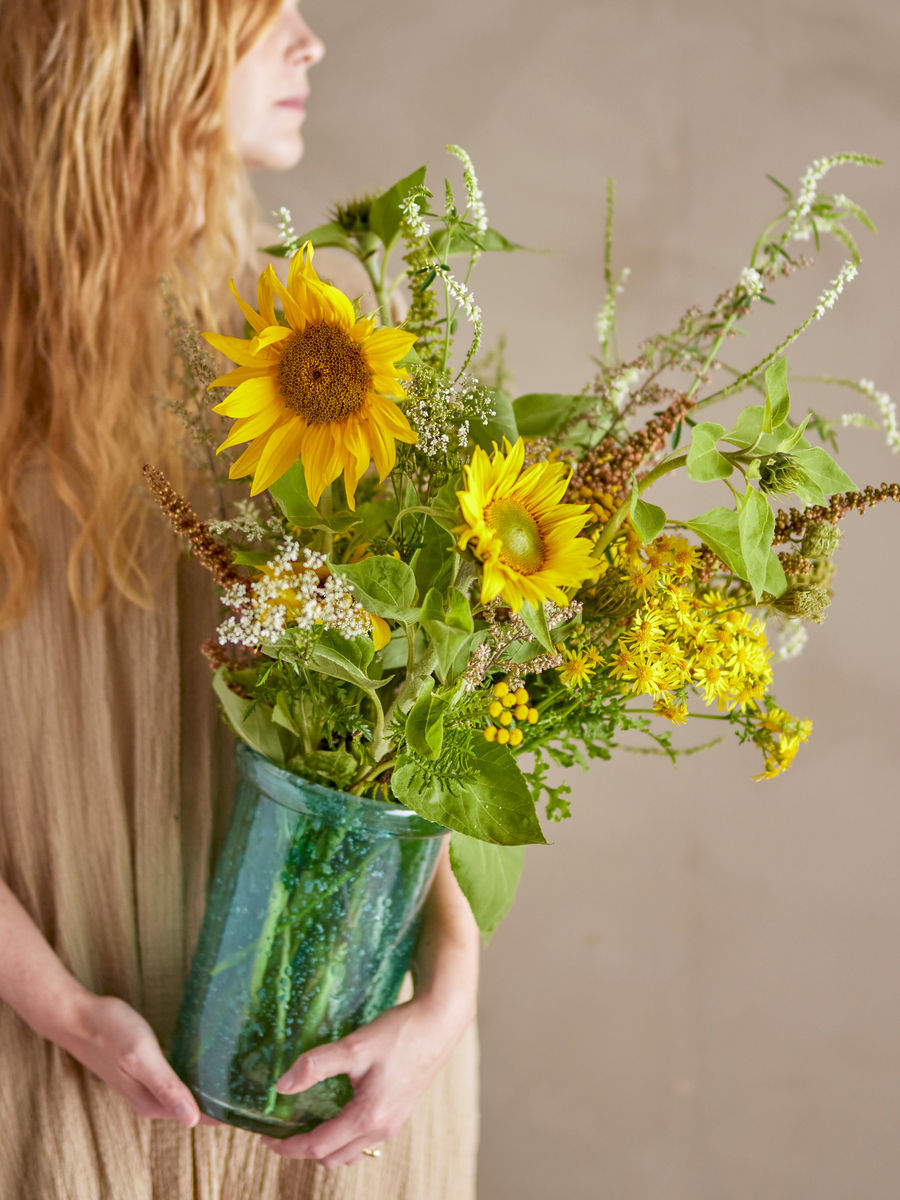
(307, 935)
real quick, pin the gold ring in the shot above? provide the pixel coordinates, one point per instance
(373, 1152)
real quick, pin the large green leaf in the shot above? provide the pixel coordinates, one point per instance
(382, 584)
(385, 213)
(291, 495)
(489, 801)
(704, 461)
(756, 525)
(330, 234)
(252, 720)
(778, 402)
(720, 530)
(433, 562)
(488, 876)
(425, 722)
(821, 469)
(539, 414)
(501, 425)
(345, 659)
(449, 627)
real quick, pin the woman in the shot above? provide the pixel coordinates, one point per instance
(124, 130)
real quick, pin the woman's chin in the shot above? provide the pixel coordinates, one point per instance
(278, 155)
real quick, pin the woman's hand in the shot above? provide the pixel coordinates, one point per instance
(393, 1060)
(390, 1064)
(115, 1042)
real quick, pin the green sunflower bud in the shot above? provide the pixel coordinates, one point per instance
(353, 215)
(805, 600)
(780, 472)
(820, 540)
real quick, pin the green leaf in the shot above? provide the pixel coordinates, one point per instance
(425, 722)
(333, 768)
(251, 558)
(252, 720)
(776, 580)
(823, 471)
(467, 238)
(450, 631)
(647, 519)
(432, 563)
(329, 234)
(490, 801)
(345, 659)
(501, 425)
(536, 620)
(385, 213)
(794, 438)
(540, 414)
(292, 497)
(778, 402)
(704, 461)
(719, 529)
(488, 876)
(756, 525)
(747, 427)
(383, 585)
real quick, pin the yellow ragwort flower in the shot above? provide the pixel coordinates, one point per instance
(576, 670)
(527, 540)
(316, 388)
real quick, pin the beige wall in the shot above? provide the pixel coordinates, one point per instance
(698, 994)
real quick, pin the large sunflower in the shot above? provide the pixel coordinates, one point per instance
(316, 388)
(527, 540)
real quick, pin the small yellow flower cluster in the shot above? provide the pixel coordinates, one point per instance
(779, 735)
(508, 711)
(577, 666)
(678, 640)
(601, 505)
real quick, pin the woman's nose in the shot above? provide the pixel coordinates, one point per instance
(306, 46)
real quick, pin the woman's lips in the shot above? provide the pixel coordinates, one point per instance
(296, 102)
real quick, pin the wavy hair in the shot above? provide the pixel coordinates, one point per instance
(116, 170)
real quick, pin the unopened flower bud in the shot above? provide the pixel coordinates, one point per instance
(780, 472)
(804, 600)
(820, 540)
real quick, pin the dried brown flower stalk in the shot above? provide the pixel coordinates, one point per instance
(792, 523)
(211, 553)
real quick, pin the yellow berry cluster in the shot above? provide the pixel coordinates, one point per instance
(506, 709)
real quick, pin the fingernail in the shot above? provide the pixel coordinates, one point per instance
(184, 1113)
(285, 1084)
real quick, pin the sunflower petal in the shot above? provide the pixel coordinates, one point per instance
(251, 316)
(249, 397)
(281, 451)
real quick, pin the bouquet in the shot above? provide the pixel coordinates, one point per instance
(499, 596)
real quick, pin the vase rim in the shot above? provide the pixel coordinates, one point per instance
(385, 814)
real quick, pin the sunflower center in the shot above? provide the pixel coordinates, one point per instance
(521, 544)
(323, 374)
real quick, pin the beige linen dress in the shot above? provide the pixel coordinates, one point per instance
(114, 781)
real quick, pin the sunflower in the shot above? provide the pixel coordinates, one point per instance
(315, 388)
(527, 540)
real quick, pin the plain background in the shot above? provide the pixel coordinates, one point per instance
(697, 996)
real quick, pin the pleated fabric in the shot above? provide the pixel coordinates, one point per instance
(115, 775)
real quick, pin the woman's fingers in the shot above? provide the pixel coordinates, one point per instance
(146, 1065)
(361, 1124)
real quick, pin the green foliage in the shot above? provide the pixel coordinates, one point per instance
(488, 876)
(541, 414)
(385, 214)
(450, 628)
(648, 519)
(704, 461)
(424, 730)
(482, 795)
(383, 585)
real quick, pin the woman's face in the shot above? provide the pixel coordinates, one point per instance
(268, 90)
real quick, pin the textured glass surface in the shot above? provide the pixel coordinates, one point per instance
(307, 935)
